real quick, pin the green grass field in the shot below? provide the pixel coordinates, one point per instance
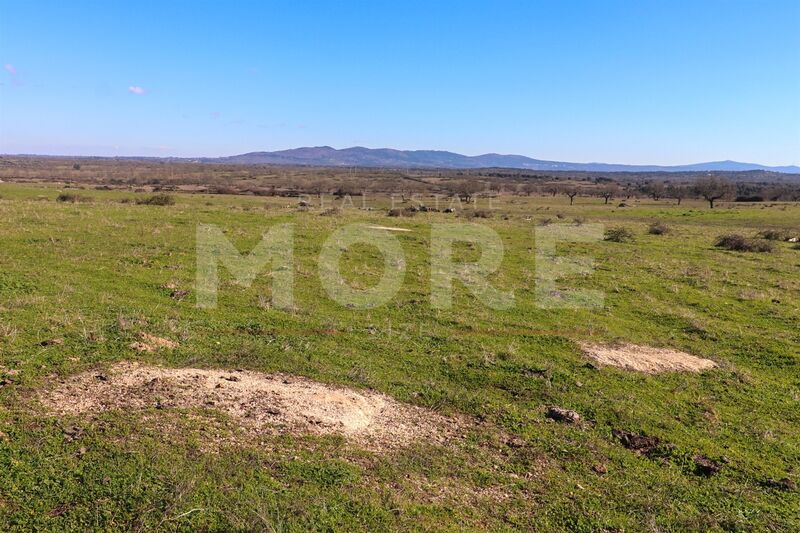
(91, 274)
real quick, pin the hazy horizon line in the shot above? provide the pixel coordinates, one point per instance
(590, 162)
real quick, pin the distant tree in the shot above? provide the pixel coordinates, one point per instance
(495, 187)
(467, 189)
(529, 188)
(678, 192)
(553, 189)
(571, 192)
(608, 192)
(713, 188)
(76, 166)
(655, 190)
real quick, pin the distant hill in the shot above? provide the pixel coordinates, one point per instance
(359, 156)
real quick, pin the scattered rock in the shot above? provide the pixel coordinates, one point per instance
(705, 466)
(59, 510)
(784, 484)
(515, 442)
(52, 342)
(72, 433)
(638, 443)
(560, 414)
(537, 372)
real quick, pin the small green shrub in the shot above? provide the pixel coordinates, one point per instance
(739, 243)
(157, 199)
(619, 234)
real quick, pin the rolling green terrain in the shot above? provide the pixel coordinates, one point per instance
(80, 281)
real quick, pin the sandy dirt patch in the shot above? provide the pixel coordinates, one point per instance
(261, 403)
(647, 359)
(151, 343)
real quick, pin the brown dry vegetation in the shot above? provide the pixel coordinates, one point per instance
(154, 175)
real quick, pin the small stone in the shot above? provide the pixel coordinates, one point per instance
(72, 433)
(785, 484)
(705, 466)
(515, 442)
(52, 342)
(637, 443)
(559, 414)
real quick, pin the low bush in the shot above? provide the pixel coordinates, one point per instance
(739, 243)
(775, 235)
(396, 212)
(749, 198)
(73, 198)
(157, 199)
(657, 228)
(619, 234)
(224, 189)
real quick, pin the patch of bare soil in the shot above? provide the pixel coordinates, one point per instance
(647, 359)
(151, 343)
(261, 403)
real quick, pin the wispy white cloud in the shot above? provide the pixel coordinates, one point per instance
(10, 68)
(135, 89)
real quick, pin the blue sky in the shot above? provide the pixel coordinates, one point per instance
(614, 81)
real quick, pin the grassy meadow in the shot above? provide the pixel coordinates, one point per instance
(79, 282)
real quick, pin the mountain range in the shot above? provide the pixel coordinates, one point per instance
(359, 156)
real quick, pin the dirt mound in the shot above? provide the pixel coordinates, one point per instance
(262, 403)
(647, 359)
